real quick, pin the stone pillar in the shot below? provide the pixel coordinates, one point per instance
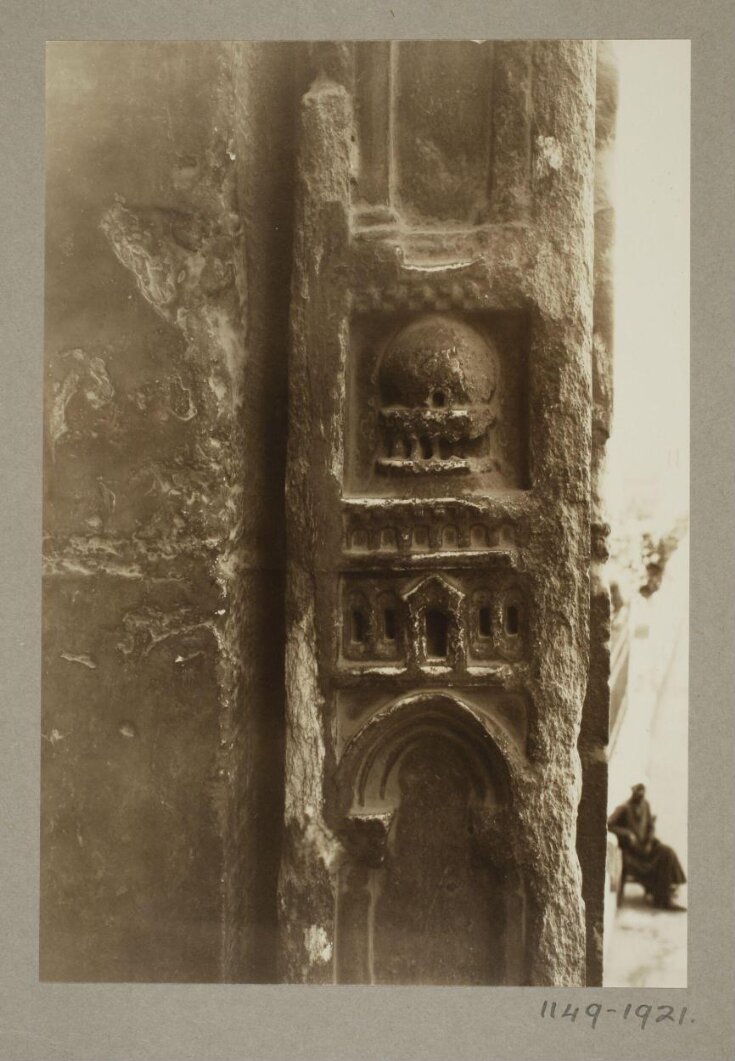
(440, 510)
(168, 248)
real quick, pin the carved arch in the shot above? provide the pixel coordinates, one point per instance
(392, 728)
(386, 850)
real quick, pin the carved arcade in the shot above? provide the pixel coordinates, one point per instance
(449, 621)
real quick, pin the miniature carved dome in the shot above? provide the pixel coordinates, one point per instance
(437, 362)
(436, 379)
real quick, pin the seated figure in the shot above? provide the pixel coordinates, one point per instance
(645, 858)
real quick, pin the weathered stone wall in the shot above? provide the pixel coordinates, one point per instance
(323, 774)
(168, 248)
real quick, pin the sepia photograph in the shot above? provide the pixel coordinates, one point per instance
(366, 473)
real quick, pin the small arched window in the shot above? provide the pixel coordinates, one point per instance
(388, 539)
(359, 539)
(478, 536)
(358, 625)
(420, 537)
(450, 537)
(484, 621)
(512, 619)
(427, 447)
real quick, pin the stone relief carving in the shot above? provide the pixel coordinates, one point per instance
(423, 529)
(436, 379)
(436, 403)
(437, 487)
(421, 771)
(435, 510)
(437, 635)
(425, 295)
(435, 621)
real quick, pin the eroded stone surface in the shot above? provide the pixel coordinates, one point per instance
(445, 611)
(350, 633)
(162, 550)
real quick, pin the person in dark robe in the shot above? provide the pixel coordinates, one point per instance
(645, 858)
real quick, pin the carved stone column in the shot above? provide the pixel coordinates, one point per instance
(439, 515)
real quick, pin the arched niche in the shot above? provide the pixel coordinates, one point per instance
(390, 625)
(435, 613)
(358, 635)
(511, 620)
(429, 892)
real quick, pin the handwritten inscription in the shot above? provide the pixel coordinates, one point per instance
(642, 1014)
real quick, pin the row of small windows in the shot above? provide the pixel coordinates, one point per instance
(449, 537)
(436, 626)
(412, 447)
(359, 625)
(436, 629)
